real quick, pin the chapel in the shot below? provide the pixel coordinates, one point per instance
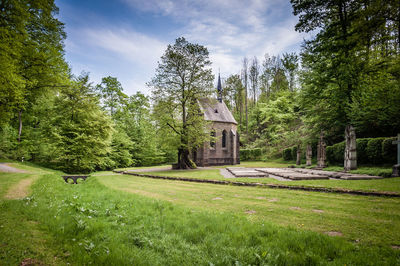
(224, 149)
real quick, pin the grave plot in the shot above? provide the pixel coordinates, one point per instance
(338, 175)
(291, 174)
(246, 172)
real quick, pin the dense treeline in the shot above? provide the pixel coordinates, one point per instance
(348, 73)
(51, 117)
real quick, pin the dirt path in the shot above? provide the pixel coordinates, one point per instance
(21, 189)
(9, 169)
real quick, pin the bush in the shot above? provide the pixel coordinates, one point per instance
(389, 151)
(362, 157)
(250, 154)
(294, 153)
(287, 154)
(374, 150)
(329, 155)
(369, 151)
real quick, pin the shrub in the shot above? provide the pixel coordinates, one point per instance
(244, 154)
(362, 156)
(369, 151)
(287, 154)
(294, 153)
(250, 154)
(374, 150)
(389, 151)
(329, 155)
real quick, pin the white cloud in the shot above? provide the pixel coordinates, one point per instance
(128, 44)
(231, 29)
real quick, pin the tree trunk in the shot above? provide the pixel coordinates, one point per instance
(20, 125)
(184, 162)
(298, 155)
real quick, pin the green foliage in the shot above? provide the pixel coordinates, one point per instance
(335, 153)
(110, 91)
(31, 45)
(80, 132)
(362, 153)
(8, 144)
(287, 154)
(374, 150)
(121, 144)
(250, 154)
(294, 152)
(350, 67)
(389, 151)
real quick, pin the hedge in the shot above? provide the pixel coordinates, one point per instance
(389, 150)
(294, 153)
(374, 150)
(250, 154)
(369, 151)
(287, 154)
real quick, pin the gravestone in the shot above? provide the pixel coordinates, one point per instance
(350, 152)
(298, 157)
(321, 152)
(396, 167)
(308, 155)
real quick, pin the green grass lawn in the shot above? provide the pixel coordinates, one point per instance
(114, 219)
(357, 217)
(386, 184)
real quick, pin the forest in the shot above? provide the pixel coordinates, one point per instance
(348, 73)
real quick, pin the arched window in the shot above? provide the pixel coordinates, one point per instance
(212, 141)
(224, 139)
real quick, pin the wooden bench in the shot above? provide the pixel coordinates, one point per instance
(74, 178)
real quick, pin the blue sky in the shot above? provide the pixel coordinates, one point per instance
(126, 38)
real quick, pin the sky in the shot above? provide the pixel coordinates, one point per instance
(126, 38)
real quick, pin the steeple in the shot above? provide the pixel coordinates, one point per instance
(219, 89)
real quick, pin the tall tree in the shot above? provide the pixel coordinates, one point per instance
(80, 132)
(355, 40)
(32, 54)
(290, 62)
(111, 93)
(254, 76)
(182, 77)
(245, 73)
(234, 85)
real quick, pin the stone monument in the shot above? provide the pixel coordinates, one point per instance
(350, 152)
(396, 167)
(298, 157)
(308, 155)
(321, 152)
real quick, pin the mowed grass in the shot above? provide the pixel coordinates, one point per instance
(386, 184)
(368, 220)
(97, 223)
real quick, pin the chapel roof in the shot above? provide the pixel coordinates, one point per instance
(216, 111)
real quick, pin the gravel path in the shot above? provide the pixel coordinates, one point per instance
(9, 169)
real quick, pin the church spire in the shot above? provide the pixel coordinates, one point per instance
(219, 89)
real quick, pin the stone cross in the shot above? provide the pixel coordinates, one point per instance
(308, 155)
(396, 168)
(350, 152)
(321, 151)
